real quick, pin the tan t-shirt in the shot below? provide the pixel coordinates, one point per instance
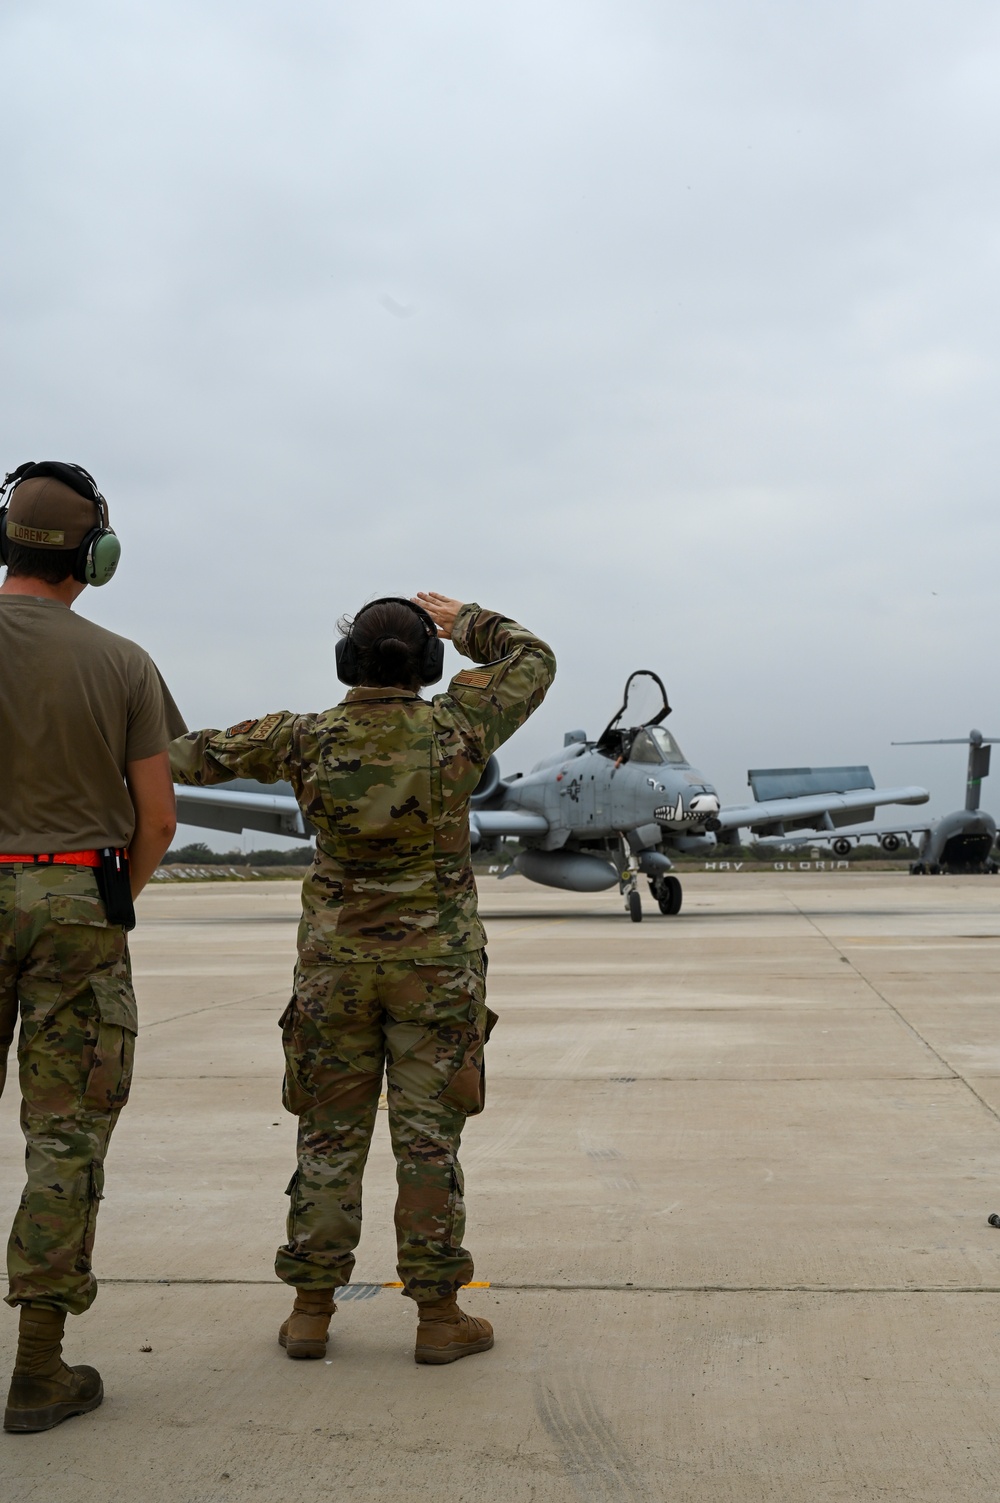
(76, 704)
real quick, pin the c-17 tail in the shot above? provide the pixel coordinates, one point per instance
(979, 760)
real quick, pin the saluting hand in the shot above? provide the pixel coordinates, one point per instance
(441, 609)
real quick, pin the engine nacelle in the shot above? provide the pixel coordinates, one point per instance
(890, 843)
(489, 784)
(571, 870)
(841, 846)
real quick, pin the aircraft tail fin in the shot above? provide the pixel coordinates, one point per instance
(979, 760)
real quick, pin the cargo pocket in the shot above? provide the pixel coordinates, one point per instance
(295, 1096)
(110, 1075)
(466, 1090)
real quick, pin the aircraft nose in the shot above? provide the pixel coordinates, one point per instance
(705, 803)
(704, 807)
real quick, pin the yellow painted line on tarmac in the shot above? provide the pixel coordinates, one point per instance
(394, 1284)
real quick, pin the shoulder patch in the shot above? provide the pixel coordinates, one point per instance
(266, 728)
(241, 727)
(475, 678)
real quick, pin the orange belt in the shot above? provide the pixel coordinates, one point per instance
(63, 858)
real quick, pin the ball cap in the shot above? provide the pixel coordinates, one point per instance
(46, 513)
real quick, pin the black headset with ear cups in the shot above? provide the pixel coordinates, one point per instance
(431, 662)
(98, 554)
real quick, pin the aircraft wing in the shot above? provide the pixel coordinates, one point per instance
(820, 811)
(485, 823)
(852, 832)
(223, 808)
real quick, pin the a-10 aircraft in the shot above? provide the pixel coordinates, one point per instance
(596, 814)
(961, 842)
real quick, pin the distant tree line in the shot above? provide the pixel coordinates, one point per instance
(200, 854)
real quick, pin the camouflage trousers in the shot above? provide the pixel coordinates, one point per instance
(66, 970)
(425, 1024)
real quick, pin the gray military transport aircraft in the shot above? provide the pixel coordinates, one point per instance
(960, 842)
(599, 813)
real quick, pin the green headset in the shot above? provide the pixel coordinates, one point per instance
(98, 554)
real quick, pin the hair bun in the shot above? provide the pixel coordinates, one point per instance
(393, 653)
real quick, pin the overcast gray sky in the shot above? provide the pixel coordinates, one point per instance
(668, 328)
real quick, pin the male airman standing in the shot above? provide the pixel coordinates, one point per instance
(86, 813)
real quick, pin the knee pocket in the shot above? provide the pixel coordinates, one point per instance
(109, 1077)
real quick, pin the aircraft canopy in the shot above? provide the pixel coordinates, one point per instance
(656, 744)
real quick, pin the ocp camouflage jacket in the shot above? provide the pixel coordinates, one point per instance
(386, 778)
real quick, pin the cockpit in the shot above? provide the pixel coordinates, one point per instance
(653, 743)
(642, 738)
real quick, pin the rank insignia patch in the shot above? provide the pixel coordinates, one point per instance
(241, 728)
(266, 727)
(473, 679)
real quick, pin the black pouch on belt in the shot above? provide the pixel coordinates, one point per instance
(115, 888)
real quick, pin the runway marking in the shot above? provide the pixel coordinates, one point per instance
(395, 1284)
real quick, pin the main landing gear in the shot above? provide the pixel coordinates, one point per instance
(668, 893)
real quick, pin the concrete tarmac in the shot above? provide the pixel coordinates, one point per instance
(729, 1195)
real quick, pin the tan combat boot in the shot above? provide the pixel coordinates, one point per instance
(446, 1333)
(305, 1332)
(43, 1390)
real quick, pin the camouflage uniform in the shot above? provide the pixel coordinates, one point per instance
(69, 969)
(391, 969)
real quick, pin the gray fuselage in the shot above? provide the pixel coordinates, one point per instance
(591, 799)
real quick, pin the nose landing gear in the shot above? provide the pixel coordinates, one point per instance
(666, 890)
(628, 885)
